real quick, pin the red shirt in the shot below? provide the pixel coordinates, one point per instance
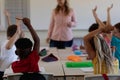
(29, 64)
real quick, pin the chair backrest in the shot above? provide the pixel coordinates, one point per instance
(100, 77)
(17, 77)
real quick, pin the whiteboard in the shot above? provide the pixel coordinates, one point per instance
(40, 12)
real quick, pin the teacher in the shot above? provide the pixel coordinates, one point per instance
(60, 30)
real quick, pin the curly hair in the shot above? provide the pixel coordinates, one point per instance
(23, 43)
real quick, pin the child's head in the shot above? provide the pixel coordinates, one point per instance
(93, 27)
(116, 31)
(24, 46)
(11, 30)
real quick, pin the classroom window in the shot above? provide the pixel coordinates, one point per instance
(17, 8)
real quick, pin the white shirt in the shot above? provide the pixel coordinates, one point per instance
(7, 56)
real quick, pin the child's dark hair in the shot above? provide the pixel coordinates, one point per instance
(93, 27)
(32, 76)
(117, 26)
(23, 43)
(11, 30)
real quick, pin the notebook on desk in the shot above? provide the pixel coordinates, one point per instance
(87, 69)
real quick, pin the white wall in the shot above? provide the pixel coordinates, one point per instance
(40, 13)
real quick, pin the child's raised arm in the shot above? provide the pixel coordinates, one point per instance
(7, 14)
(89, 48)
(35, 37)
(108, 15)
(18, 23)
(100, 23)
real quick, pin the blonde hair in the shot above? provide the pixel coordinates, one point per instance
(66, 8)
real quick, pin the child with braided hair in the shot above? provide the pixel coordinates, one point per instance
(97, 48)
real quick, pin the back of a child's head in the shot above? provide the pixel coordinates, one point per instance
(32, 76)
(11, 30)
(23, 43)
(93, 27)
(23, 47)
(117, 26)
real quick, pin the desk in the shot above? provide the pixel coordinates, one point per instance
(71, 73)
(74, 73)
(53, 67)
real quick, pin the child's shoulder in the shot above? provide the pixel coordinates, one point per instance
(115, 38)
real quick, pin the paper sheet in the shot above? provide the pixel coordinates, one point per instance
(87, 69)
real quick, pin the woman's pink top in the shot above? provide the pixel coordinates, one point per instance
(59, 29)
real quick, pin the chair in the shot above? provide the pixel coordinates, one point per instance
(17, 76)
(100, 77)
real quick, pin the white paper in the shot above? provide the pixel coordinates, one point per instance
(87, 69)
(42, 69)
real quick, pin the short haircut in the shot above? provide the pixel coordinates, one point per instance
(11, 30)
(23, 43)
(32, 76)
(93, 27)
(117, 26)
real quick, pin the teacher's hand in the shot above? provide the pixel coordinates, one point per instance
(47, 40)
(69, 24)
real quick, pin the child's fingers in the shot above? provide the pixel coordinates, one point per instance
(95, 8)
(19, 18)
(111, 6)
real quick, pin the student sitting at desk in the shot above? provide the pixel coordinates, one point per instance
(8, 48)
(97, 48)
(28, 58)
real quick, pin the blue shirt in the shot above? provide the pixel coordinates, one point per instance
(116, 42)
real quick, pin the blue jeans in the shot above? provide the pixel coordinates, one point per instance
(60, 44)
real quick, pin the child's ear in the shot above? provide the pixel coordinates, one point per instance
(16, 52)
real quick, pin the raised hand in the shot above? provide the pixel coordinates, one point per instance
(100, 23)
(6, 13)
(18, 21)
(109, 8)
(26, 21)
(94, 10)
(108, 23)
